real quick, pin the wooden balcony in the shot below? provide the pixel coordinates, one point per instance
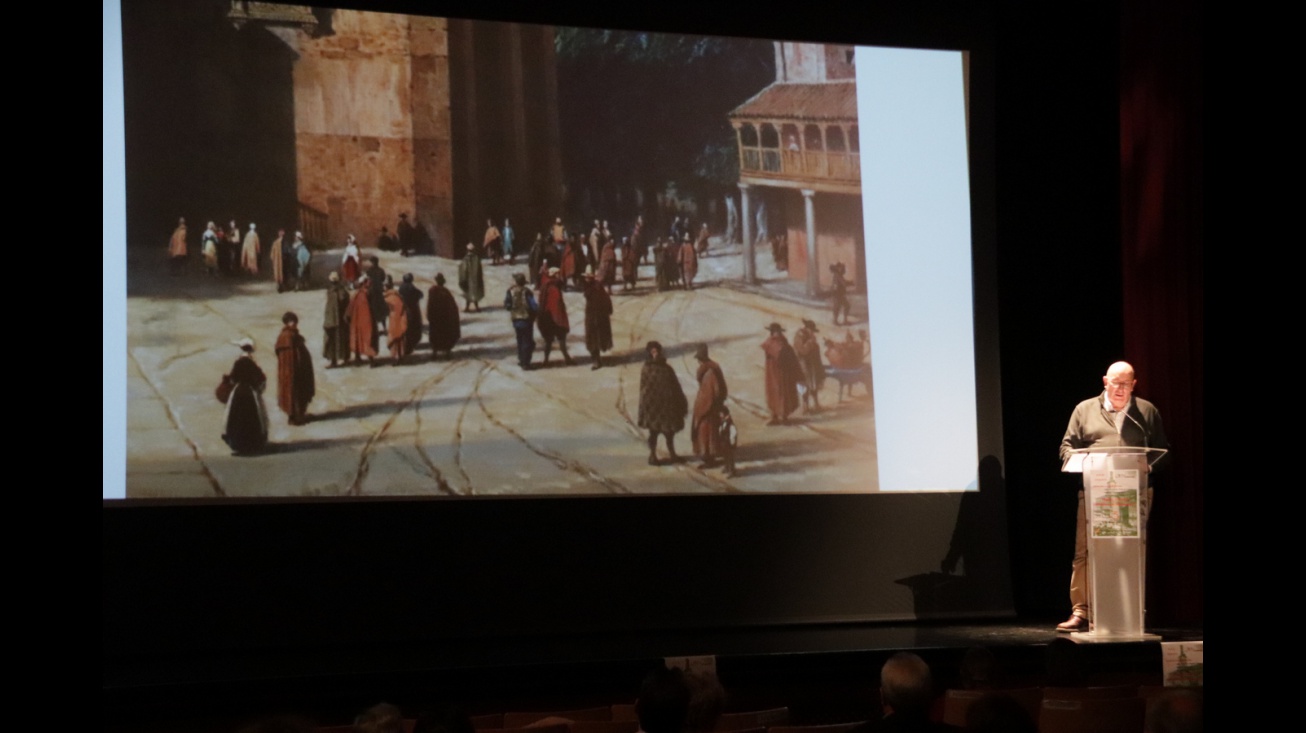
(800, 135)
(799, 167)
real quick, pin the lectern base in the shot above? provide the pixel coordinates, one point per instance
(1106, 637)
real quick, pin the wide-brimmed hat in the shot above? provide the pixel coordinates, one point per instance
(775, 327)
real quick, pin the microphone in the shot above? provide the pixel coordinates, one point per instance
(1146, 435)
(1146, 438)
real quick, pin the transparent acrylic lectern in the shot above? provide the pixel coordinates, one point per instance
(1115, 504)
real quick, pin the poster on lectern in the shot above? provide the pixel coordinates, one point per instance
(1115, 510)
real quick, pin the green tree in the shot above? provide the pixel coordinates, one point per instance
(648, 110)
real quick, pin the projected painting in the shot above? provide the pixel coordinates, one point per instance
(329, 212)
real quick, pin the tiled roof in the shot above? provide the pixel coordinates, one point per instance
(827, 101)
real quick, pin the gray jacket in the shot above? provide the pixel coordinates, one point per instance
(1090, 425)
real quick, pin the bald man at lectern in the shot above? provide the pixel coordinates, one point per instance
(1114, 418)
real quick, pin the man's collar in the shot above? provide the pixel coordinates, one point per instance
(1106, 403)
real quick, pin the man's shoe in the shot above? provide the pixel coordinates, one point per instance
(1074, 623)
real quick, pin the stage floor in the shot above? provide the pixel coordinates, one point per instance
(826, 673)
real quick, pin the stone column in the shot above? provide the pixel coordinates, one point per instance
(546, 136)
(517, 184)
(746, 214)
(813, 274)
(432, 138)
(468, 209)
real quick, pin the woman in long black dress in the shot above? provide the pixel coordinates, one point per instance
(662, 402)
(246, 426)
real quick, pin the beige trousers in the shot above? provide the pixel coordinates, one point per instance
(1079, 591)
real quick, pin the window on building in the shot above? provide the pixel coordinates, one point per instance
(834, 138)
(812, 138)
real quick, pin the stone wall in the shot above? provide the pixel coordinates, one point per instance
(432, 130)
(813, 62)
(839, 62)
(838, 237)
(372, 123)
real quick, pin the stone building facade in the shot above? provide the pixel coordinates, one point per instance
(799, 150)
(372, 132)
(335, 121)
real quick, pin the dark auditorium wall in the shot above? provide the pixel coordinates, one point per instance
(1100, 229)
(1058, 222)
(201, 582)
(1163, 238)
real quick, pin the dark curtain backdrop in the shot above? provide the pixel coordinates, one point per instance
(1161, 203)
